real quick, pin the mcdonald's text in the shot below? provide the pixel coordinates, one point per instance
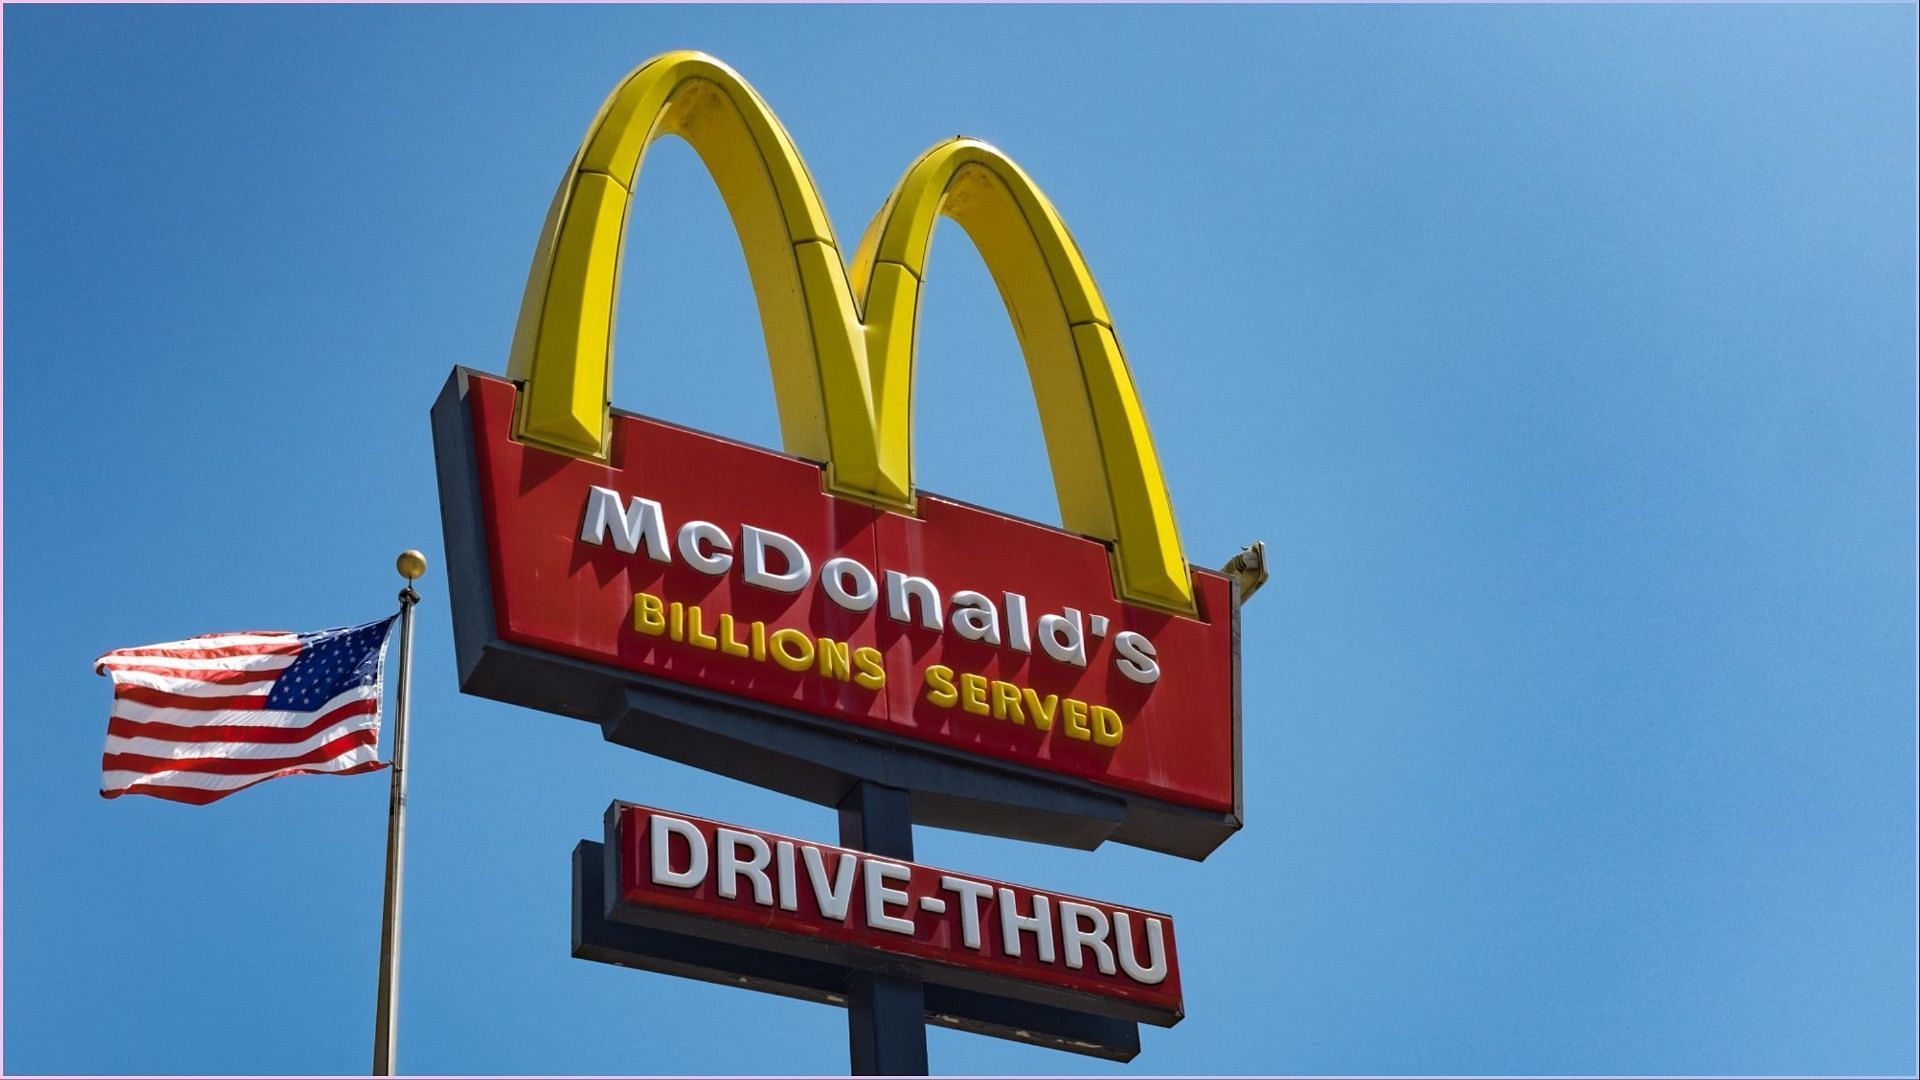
(631, 524)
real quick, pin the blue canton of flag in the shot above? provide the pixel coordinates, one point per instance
(330, 663)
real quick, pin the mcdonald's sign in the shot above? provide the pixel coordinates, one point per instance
(809, 618)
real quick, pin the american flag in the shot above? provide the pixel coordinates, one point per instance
(197, 720)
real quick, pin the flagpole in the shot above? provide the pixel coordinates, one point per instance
(411, 565)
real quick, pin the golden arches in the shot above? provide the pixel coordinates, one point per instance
(843, 367)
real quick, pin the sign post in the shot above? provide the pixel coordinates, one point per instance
(886, 1032)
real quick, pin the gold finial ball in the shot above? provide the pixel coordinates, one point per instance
(411, 564)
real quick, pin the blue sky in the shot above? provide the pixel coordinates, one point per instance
(1564, 357)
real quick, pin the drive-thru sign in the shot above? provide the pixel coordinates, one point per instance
(809, 899)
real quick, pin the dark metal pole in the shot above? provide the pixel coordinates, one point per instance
(886, 1013)
(386, 1018)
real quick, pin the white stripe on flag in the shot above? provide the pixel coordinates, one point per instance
(244, 662)
(174, 749)
(181, 717)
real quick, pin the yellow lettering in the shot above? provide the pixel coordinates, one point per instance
(792, 649)
(1006, 702)
(649, 615)
(833, 658)
(697, 635)
(1073, 719)
(1107, 728)
(872, 675)
(1042, 708)
(730, 643)
(973, 693)
(940, 689)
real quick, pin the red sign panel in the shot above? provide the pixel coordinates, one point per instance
(794, 895)
(724, 566)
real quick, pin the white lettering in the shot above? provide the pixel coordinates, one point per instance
(879, 896)
(660, 832)
(692, 534)
(729, 866)
(831, 900)
(1094, 936)
(1019, 636)
(835, 574)
(1155, 971)
(1012, 923)
(754, 544)
(640, 524)
(640, 520)
(1136, 657)
(900, 587)
(784, 874)
(1062, 637)
(971, 893)
(975, 618)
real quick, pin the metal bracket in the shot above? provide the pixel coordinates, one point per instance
(1248, 569)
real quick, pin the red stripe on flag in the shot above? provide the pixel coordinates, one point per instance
(146, 695)
(238, 766)
(253, 733)
(203, 796)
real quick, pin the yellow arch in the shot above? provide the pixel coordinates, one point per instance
(1105, 471)
(563, 343)
(843, 368)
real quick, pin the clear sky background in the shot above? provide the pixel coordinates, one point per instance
(1564, 357)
